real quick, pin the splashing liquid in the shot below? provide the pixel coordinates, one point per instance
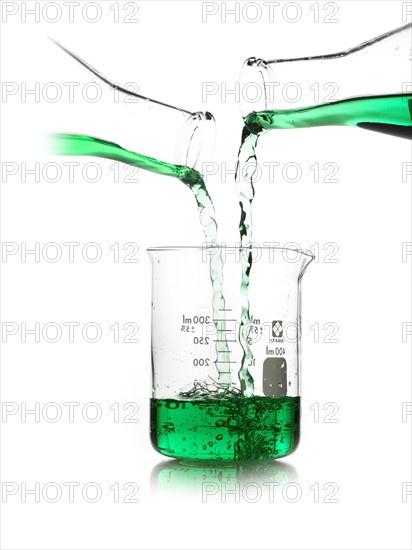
(390, 114)
(256, 428)
(82, 145)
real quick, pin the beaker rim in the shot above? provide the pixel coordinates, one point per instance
(305, 252)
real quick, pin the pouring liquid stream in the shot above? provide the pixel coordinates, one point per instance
(83, 145)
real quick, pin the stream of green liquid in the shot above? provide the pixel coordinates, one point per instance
(83, 145)
(246, 192)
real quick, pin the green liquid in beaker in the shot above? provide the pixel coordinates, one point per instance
(390, 114)
(253, 428)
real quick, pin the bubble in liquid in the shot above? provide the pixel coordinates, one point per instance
(219, 437)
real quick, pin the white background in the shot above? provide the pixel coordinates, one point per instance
(170, 52)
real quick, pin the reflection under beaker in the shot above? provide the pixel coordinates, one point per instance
(213, 481)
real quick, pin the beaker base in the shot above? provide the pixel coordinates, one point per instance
(252, 428)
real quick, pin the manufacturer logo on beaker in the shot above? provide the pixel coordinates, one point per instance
(277, 329)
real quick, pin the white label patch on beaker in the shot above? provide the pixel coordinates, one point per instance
(274, 377)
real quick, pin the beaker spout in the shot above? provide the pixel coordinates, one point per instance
(307, 258)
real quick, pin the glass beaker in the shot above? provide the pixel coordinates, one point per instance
(368, 86)
(198, 410)
(126, 126)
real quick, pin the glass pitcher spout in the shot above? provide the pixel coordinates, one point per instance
(186, 138)
(367, 86)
